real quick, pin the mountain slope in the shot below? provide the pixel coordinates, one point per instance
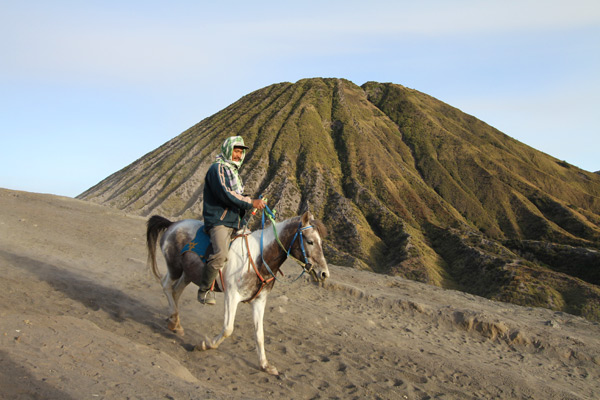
(406, 184)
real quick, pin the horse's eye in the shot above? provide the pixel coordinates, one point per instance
(310, 242)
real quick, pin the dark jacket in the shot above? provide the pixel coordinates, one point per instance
(222, 205)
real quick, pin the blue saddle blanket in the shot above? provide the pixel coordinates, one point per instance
(199, 244)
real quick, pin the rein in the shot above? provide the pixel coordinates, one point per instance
(263, 282)
(306, 265)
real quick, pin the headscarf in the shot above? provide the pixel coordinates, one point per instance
(224, 158)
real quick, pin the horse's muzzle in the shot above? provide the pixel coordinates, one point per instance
(324, 275)
(319, 276)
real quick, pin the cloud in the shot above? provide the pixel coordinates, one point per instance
(151, 49)
(429, 18)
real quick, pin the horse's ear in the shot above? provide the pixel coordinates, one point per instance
(306, 218)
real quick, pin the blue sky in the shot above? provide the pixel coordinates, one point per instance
(87, 87)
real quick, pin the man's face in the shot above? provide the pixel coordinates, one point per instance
(237, 154)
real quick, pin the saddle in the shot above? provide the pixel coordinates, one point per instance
(202, 246)
(199, 245)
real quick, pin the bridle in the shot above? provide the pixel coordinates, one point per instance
(306, 265)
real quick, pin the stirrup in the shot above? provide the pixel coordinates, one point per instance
(207, 297)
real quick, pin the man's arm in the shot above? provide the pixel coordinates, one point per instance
(219, 185)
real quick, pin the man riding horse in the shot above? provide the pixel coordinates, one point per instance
(224, 207)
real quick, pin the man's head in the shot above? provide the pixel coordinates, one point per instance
(234, 150)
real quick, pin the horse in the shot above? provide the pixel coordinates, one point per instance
(254, 260)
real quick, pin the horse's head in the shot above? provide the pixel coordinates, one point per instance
(309, 248)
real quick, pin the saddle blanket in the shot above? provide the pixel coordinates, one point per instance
(199, 244)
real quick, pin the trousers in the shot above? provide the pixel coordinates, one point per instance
(220, 237)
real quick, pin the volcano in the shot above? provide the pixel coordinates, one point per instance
(406, 185)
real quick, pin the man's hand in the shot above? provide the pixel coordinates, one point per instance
(259, 204)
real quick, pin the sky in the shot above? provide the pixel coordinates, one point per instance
(88, 87)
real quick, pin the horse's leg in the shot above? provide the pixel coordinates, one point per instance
(258, 312)
(179, 286)
(173, 289)
(231, 303)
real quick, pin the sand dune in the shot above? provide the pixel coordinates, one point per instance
(82, 317)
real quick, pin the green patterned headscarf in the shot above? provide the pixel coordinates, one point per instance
(233, 176)
(227, 150)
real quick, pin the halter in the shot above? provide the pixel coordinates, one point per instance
(306, 265)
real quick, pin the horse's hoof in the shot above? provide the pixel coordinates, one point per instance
(174, 326)
(271, 370)
(201, 347)
(179, 332)
(176, 329)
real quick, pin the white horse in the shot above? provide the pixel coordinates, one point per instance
(249, 276)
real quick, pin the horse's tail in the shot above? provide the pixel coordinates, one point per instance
(156, 224)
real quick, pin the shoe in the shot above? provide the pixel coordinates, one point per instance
(206, 297)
